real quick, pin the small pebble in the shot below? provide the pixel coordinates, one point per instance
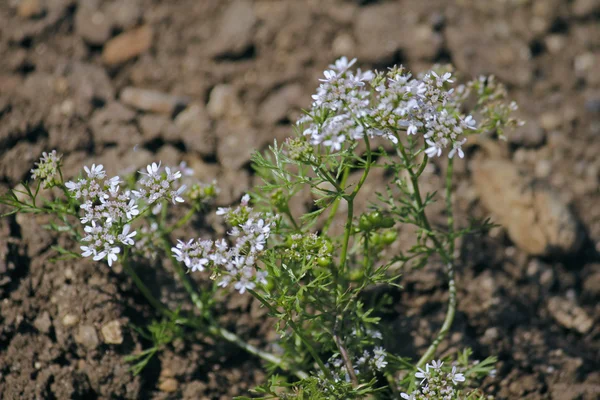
(550, 120)
(568, 314)
(92, 26)
(30, 9)
(127, 45)
(543, 168)
(112, 332)
(43, 323)
(168, 385)
(87, 337)
(152, 100)
(224, 103)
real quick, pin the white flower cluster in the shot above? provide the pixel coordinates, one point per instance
(376, 359)
(108, 211)
(236, 262)
(156, 184)
(365, 364)
(47, 168)
(349, 105)
(435, 383)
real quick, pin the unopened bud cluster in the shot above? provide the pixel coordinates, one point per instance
(47, 169)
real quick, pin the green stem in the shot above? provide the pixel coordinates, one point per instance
(448, 258)
(350, 201)
(449, 211)
(298, 332)
(273, 359)
(345, 357)
(336, 202)
(183, 220)
(154, 302)
(430, 353)
(292, 219)
(185, 281)
(326, 176)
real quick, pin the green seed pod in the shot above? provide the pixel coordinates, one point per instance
(389, 237)
(375, 218)
(364, 223)
(356, 275)
(324, 261)
(375, 239)
(387, 222)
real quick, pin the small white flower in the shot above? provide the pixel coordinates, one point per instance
(126, 237)
(457, 148)
(329, 75)
(335, 142)
(157, 209)
(198, 264)
(153, 169)
(379, 358)
(407, 396)
(110, 254)
(436, 365)
(342, 64)
(222, 210)
(423, 375)
(412, 129)
(470, 122)
(434, 149)
(87, 251)
(176, 196)
(244, 284)
(132, 209)
(95, 171)
(456, 377)
(185, 170)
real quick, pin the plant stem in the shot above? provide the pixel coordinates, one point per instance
(273, 359)
(344, 354)
(183, 220)
(447, 321)
(449, 211)
(336, 202)
(154, 302)
(347, 233)
(297, 331)
(350, 201)
(448, 258)
(292, 219)
(185, 281)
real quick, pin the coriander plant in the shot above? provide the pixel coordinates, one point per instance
(312, 280)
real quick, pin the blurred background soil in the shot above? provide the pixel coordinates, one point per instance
(126, 82)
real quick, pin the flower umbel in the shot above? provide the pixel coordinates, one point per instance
(47, 169)
(236, 262)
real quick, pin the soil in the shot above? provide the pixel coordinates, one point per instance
(226, 78)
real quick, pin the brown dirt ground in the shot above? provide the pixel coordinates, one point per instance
(58, 91)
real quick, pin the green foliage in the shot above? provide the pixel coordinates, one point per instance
(159, 333)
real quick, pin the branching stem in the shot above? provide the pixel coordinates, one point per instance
(298, 332)
(336, 202)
